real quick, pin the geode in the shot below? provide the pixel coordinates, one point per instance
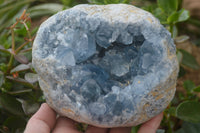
(106, 65)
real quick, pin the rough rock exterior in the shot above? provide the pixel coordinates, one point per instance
(106, 65)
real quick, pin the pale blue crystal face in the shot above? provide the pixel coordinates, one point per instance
(101, 70)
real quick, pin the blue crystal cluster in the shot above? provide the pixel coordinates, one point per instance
(109, 66)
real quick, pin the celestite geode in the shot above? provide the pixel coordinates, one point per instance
(106, 65)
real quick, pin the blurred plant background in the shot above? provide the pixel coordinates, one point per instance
(20, 94)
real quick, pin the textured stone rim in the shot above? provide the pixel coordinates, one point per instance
(151, 92)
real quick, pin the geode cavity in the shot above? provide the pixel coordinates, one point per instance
(106, 65)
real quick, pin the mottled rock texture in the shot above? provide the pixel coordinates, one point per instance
(106, 65)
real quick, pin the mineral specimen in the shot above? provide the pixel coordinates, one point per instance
(106, 65)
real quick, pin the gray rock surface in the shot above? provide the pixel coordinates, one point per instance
(106, 65)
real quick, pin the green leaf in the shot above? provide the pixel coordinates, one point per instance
(108, 1)
(197, 89)
(189, 111)
(45, 9)
(188, 85)
(21, 67)
(2, 1)
(30, 107)
(158, 13)
(96, 1)
(21, 58)
(2, 49)
(10, 103)
(189, 128)
(179, 16)
(18, 92)
(168, 6)
(134, 129)
(115, 1)
(21, 81)
(179, 56)
(182, 39)
(189, 60)
(31, 77)
(15, 122)
(174, 31)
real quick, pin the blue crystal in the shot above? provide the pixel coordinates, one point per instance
(111, 65)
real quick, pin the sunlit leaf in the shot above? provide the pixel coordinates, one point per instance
(21, 67)
(31, 77)
(179, 16)
(45, 9)
(189, 111)
(18, 92)
(182, 39)
(10, 103)
(197, 89)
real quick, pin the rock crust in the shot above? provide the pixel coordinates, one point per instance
(106, 65)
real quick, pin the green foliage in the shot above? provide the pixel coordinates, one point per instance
(15, 122)
(109, 1)
(189, 128)
(188, 60)
(168, 13)
(179, 16)
(70, 3)
(45, 9)
(15, 91)
(11, 9)
(11, 104)
(197, 89)
(188, 85)
(189, 111)
(168, 6)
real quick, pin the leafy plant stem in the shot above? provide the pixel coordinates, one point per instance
(13, 51)
(10, 63)
(20, 47)
(13, 40)
(168, 123)
(27, 29)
